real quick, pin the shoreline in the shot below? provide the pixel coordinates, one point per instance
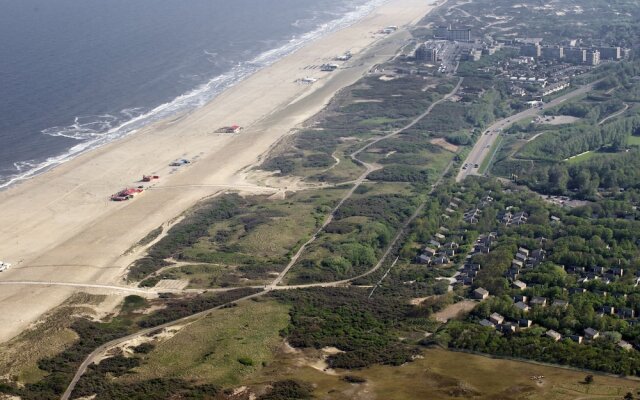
(60, 226)
(206, 91)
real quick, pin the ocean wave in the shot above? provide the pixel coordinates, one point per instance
(95, 131)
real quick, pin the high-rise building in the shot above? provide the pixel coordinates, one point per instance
(449, 33)
(426, 54)
(593, 57)
(575, 55)
(530, 50)
(610, 53)
(552, 52)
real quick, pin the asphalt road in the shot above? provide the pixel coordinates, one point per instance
(482, 148)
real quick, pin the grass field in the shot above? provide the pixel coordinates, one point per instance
(633, 140)
(445, 375)
(209, 350)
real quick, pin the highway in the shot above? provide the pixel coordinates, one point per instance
(482, 149)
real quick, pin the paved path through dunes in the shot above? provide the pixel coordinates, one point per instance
(63, 217)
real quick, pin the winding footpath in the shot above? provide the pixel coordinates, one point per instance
(275, 284)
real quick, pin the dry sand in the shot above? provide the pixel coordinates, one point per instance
(60, 226)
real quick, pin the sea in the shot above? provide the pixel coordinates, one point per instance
(77, 74)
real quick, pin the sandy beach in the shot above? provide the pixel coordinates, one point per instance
(61, 226)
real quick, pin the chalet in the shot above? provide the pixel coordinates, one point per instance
(560, 303)
(468, 281)
(450, 252)
(480, 294)
(496, 318)
(607, 310)
(626, 313)
(451, 245)
(429, 251)
(443, 229)
(555, 336)
(617, 271)
(575, 270)
(519, 218)
(434, 244)
(517, 264)
(507, 328)
(472, 216)
(520, 297)
(625, 345)
(519, 285)
(577, 290)
(423, 259)
(524, 323)
(522, 306)
(486, 323)
(523, 251)
(576, 338)
(439, 237)
(591, 333)
(472, 267)
(539, 301)
(598, 270)
(521, 257)
(555, 220)
(601, 293)
(482, 249)
(539, 254)
(449, 210)
(441, 260)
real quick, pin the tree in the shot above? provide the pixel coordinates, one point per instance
(588, 379)
(628, 396)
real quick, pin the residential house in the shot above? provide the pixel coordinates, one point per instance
(555, 336)
(423, 259)
(576, 338)
(519, 285)
(591, 333)
(480, 294)
(539, 301)
(524, 323)
(625, 345)
(487, 323)
(626, 313)
(560, 303)
(607, 310)
(522, 306)
(496, 318)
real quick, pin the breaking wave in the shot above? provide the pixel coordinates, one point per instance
(94, 131)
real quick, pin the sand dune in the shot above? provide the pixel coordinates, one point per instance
(61, 227)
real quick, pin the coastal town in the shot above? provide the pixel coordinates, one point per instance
(399, 209)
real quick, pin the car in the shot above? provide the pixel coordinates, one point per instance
(475, 165)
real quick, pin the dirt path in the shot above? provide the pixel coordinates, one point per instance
(274, 285)
(615, 114)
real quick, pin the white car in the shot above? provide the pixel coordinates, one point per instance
(4, 266)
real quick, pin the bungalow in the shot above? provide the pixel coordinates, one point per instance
(482, 249)
(434, 244)
(480, 294)
(591, 333)
(521, 257)
(555, 336)
(488, 324)
(520, 297)
(555, 220)
(524, 323)
(522, 306)
(577, 338)
(577, 290)
(429, 251)
(451, 245)
(450, 252)
(560, 303)
(539, 301)
(507, 328)
(517, 264)
(519, 285)
(607, 310)
(424, 259)
(626, 313)
(441, 260)
(598, 270)
(617, 271)
(439, 237)
(496, 318)
(539, 254)
(625, 345)
(524, 251)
